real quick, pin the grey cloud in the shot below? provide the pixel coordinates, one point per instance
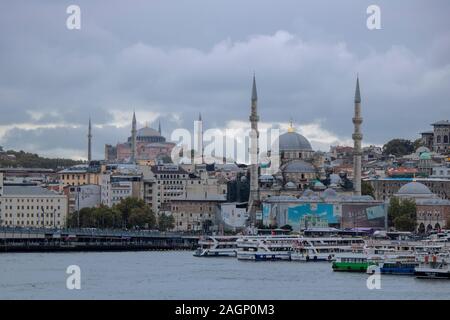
(186, 57)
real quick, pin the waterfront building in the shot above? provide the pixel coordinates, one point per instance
(324, 209)
(144, 144)
(82, 196)
(31, 206)
(196, 214)
(385, 188)
(433, 212)
(162, 184)
(79, 175)
(124, 182)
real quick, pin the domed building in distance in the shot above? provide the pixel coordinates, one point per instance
(433, 212)
(150, 146)
(300, 164)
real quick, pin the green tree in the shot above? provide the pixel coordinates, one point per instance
(166, 222)
(404, 223)
(367, 189)
(393, 211)
(126, 205)
(402, 214)
(398, 147)
(142, 217)
(447, 223)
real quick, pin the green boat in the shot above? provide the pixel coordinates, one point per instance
(353, 262)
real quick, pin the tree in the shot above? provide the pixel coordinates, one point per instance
(367, 189)
(126, 205)
(447, 226)
(393, 211)
(404, 223)
(398, 147)
(142, 217)
(402, 214)
(166, 222)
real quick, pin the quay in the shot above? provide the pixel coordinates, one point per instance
(66, 240)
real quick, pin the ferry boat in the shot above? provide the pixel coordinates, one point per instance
(398, 265)
(354, 262)
(437, 268)
(324, 249)
(217, 246)
(265, 248)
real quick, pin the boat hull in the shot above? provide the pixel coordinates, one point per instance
(350, 267)
(430, 274)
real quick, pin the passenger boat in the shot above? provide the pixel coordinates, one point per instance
(354, 262)
(435, 268)
(324, 249)
(265, 248)
(217, 246)
(399, 265)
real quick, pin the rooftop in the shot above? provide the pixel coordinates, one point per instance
(27, 191)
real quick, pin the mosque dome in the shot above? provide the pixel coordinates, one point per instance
(414, 189)
(299, 166)
(293, 141)
(290, 185)
(147, 132)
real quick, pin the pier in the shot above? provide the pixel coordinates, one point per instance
(66, 240)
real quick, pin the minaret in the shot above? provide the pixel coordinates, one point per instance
(254, 155)
(133, 139)
(357, 138)
(89, 141)
(159, 127)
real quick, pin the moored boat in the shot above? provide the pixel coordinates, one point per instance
(266, 248)
(354, 262)
(217, 246)
(436, 267)
(324, 249)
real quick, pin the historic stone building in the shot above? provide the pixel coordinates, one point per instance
(385, 188)
(438, 140)
(433, 212)
(143, 144)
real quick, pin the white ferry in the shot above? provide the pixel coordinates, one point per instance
(434, 267)
(265, 248)
(324, 249)
(217, 246)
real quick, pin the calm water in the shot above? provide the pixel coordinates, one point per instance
(179, 275)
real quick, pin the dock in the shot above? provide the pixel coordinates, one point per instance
(71, 240)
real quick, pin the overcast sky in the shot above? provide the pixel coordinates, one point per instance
(170, 60)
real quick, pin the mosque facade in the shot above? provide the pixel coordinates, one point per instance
(144, 144)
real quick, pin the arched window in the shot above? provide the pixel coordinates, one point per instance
(445, 139)
(438, 139)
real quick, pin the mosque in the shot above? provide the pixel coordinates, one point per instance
(144, 144)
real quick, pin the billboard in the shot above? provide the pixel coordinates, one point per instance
(311, 215)
(363, 215)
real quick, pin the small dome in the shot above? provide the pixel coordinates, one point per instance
(299, 166)
(293, 141)
(425, 156)
(308, 193)
(290, 185)
(414, 188)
